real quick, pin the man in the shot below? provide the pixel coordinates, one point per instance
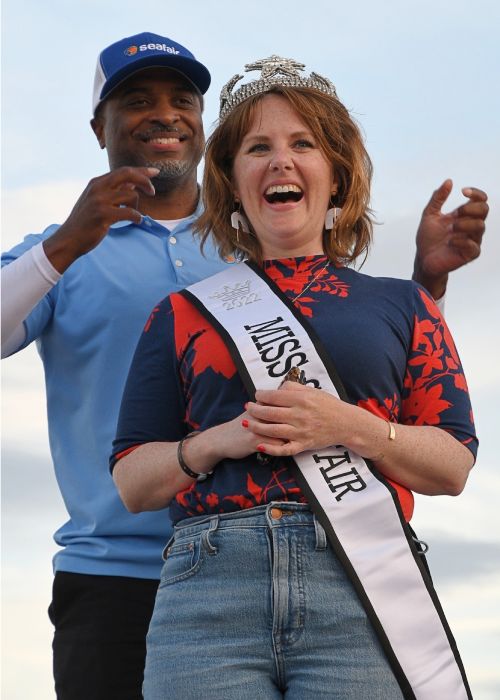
(84, 290)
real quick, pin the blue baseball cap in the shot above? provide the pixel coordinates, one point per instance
(122, 59)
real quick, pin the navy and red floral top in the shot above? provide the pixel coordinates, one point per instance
(389, 342)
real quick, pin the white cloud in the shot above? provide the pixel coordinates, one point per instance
(31, 209)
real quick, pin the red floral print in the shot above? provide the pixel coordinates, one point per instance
(310, 273)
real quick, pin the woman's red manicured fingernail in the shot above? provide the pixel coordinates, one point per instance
(244, 423)
(261, 448)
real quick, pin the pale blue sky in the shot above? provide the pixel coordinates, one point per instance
(422, 78)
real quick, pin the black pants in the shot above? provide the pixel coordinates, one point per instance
(100, 635)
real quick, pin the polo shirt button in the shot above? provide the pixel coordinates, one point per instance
(172, 240)
(179, 263)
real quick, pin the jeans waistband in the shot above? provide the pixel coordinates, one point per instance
(274, 514)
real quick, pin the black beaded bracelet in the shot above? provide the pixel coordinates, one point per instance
(182, 463)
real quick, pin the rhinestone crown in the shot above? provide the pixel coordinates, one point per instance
(274, 70)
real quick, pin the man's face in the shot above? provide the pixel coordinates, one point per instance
(153, 119)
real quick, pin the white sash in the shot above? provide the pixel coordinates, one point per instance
(359, 510)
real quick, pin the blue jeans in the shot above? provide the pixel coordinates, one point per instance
(254, 605)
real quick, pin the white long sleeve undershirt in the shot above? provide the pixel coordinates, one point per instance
(25, 282)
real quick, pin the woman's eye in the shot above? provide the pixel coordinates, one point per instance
(258, 148)
(304, 143)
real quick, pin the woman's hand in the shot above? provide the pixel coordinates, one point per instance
(300, 417)
(149, 477)
(231, 440)
(425, 459)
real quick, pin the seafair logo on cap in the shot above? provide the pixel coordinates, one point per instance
(132, 50)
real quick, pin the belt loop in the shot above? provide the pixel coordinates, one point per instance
(214, 524)
(320, 535)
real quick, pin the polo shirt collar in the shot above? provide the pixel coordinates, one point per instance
(147, 221)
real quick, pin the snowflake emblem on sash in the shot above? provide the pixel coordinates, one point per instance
(237, 296)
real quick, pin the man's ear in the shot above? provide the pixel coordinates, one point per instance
(97, 125)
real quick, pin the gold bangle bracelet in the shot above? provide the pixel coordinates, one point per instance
(392, 431)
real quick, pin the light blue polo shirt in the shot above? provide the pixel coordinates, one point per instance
(86, 330)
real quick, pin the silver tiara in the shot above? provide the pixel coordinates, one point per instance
(274, 70)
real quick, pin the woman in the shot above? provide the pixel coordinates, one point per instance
(254, 601)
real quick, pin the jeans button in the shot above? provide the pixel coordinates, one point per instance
(276, 513)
